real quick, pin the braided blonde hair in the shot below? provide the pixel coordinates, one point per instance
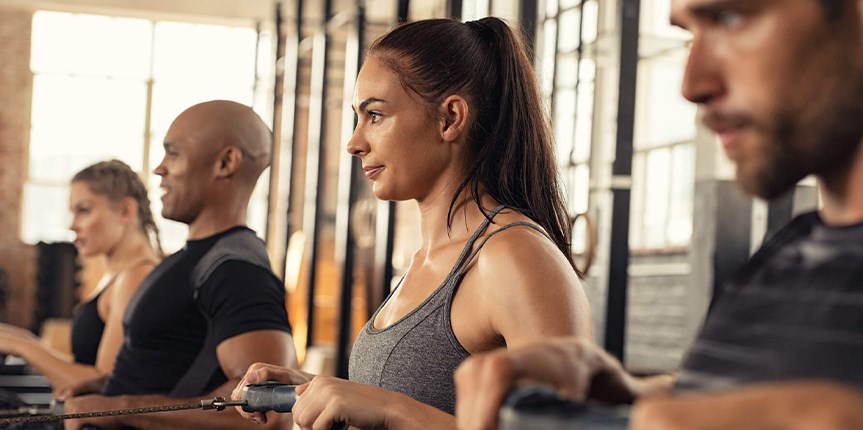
(116, 180)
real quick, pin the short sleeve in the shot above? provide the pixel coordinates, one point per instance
(240, 297)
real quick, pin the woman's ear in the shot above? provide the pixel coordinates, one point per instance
(128, 208)
(229, 161)
(454, 114)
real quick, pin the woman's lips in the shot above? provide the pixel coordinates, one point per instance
(373, 171)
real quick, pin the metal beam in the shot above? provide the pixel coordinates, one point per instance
(382, 270)
(383, 258)
(402, 11)
(453, 8)
(732, 233)
(316, 158)
(350, 177)
(290, 109)
(615, 329)
(780, 210)
(527, 16)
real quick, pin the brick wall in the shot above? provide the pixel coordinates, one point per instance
(657, 325)
(16, 87)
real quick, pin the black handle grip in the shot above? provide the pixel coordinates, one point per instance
(269, 396)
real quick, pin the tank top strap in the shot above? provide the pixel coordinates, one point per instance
(476, 250)
(468, 246)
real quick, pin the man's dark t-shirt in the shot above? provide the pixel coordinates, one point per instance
(165, 328)
(795, 311)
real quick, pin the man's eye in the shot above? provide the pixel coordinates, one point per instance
(729, 19)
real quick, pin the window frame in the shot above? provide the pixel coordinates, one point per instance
(259, 95)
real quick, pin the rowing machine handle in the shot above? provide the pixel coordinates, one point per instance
(269, 396)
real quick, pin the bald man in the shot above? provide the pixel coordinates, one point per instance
(209, 311)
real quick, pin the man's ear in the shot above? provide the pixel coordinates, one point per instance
(454, 113)
(229, 162)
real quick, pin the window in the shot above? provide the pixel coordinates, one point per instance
(663, 174)
(108, 87)
(474, 9)
(567, 72)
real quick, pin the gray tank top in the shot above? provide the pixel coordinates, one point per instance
(418, 354)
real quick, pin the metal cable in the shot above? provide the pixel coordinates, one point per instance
(49, 418)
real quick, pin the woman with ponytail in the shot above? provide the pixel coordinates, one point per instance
(111, 218)
(449, 115)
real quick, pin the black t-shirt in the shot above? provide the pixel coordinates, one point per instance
(165, 328)
(795, 311)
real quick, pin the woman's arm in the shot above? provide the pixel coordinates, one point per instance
(326, 400)
(521, 288)
(118, 295)
(570, 364)
(57, 368)
(526, 293)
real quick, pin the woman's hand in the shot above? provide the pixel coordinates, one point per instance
(13, 339)
(325, 401)
(262, 372)
(87, 386)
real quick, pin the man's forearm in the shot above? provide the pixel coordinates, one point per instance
(192, 418)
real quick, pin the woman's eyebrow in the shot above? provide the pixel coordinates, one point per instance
(365, 103)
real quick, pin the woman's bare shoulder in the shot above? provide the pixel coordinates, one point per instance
(521, 255)
(129, 280)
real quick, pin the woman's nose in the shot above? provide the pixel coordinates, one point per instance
(357, 146)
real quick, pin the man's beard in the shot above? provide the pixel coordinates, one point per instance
(821, 139)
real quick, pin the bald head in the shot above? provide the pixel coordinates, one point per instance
(217, 124)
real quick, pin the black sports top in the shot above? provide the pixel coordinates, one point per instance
(87, 328)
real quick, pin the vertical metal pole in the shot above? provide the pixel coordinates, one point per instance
(453, 8)
(386, 220)
(275, 145)
(731, 241)
(527, 16)
(316, 158)
(290, 100)
(384, 244)
(350, 169)
(148, 135)
(148, 113)
(615, 330)
(780, 210)
(402, 11)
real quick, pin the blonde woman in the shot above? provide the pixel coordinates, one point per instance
(111, 217)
